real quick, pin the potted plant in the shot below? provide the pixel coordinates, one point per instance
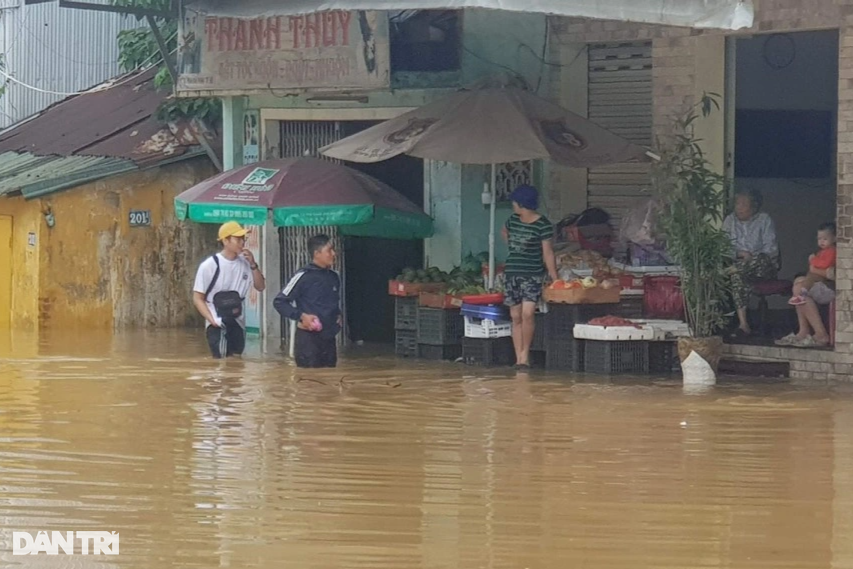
(693, 198)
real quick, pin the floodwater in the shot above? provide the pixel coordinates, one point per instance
(389, 464)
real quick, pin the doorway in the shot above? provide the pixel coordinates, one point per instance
(372, 262)
(5, 271)
(366, 264)
(783, 132)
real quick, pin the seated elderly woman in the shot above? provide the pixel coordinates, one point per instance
(754, 248)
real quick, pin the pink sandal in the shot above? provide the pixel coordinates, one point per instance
(797, 301)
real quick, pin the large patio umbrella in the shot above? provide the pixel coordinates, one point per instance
(304, 192)
(490, 126)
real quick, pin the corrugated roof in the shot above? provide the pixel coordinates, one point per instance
(108, 130)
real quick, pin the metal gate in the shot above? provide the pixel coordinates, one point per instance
(304, 138)
(620, 100)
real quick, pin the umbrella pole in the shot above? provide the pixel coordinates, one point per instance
(492, 230)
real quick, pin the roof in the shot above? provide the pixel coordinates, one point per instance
(108, 130)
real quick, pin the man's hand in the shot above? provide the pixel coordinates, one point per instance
(307, 320)
(250, 257)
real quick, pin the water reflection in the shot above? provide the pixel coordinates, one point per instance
(390, 464)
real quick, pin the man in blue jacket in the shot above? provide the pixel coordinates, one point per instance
(313, 299)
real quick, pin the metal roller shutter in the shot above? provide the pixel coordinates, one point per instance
(620, 100)
(304, 138)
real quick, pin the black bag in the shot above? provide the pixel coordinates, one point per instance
(228, 303)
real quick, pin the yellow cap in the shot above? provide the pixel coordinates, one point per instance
(231, 229)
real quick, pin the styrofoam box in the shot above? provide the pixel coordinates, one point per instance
(617, 333)
(483, 328)
(675, 328)
(653, 271)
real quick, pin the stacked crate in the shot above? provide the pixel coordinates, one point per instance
(563, 351)
(488, 336)
(406, 326)
(439, 333)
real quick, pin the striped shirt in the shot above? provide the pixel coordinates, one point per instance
(525, 245)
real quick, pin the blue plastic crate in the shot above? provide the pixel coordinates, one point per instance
(491, 312)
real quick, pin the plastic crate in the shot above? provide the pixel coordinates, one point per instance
(406, 313)
(540, 333)
(610, 358)
(406, 343)
(630, 307)
(489, 352)
(561, 318)
(663, 357)
(483, 328)
(449, 352)
(564, 354)
(663, 298)
(438, 327)
(498, 313)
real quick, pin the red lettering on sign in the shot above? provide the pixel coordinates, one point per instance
(211, 27)
(344, 18)
(256, 34)
(233, 34)
(240, 43)
(329, 29)
(274, 32)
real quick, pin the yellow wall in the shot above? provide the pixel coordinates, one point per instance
(26, 219)
(97, 271)
(92, 270)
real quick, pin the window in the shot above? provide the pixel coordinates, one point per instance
(425, 40)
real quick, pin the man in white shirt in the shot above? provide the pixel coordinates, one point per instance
(228, 274)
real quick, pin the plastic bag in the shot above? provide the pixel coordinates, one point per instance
(639, 225)
(697, 371)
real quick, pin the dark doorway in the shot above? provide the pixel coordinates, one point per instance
(372, 262)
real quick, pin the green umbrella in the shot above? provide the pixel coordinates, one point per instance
(305, 192)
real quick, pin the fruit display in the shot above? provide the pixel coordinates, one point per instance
(614, 321)
(428, 275)
(584, 283)
(586, 260)
(467, 278)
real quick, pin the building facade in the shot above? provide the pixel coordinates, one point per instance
(794, 64)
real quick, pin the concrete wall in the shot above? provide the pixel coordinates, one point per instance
(680, 75)
(92, 270)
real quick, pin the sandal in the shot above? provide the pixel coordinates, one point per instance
(797, 301)
(807, 342)
(788, 340)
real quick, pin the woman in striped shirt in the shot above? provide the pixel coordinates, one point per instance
(529, 238)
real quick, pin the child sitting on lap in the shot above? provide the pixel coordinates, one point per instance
(819, 264)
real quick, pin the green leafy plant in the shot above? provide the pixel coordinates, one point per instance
(694, 201)
(138, 48)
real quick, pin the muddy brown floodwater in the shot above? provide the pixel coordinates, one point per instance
(390, 464)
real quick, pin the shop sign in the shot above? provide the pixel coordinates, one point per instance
(335, 50)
